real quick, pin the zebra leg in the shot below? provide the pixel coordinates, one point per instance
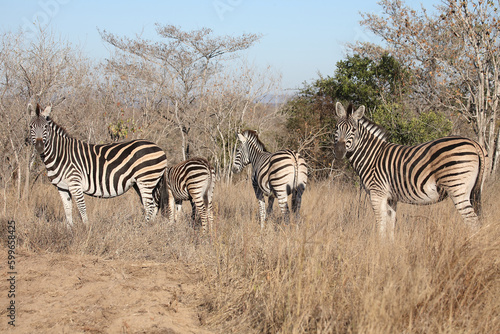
(171, 206)
(283, 204)
(147, 199)
(270, 203)
(178, 207)
(391, 213)
(193, 213)
(297, 200)
(77, 192)
(465, 208)
(194, 217)
(202, 213)
(384, 212)
(262, 207)
(146, 194)
(68, 208)
(210, 215)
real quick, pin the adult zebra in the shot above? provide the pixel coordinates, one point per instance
(108, 170)
(191, 180)
(423, 174)
(276, 174)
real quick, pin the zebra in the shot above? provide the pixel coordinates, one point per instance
(276, 174)
(191, 180)
(423, 174)
(75, 167)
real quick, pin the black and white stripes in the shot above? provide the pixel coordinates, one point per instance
(192, 180)
(273, 174)
(108, 170)
(422, 174)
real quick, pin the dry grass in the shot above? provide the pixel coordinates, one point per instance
(329, 273)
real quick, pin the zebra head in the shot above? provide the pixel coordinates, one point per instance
(241, 158)
(346, 132)
(38, 128)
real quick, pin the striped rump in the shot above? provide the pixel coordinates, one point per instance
(191, 180)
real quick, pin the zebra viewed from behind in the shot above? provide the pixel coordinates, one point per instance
(276, 174)
(191, 180)
(422, 174)
(75, 167)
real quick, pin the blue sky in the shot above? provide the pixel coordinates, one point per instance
(300, 38)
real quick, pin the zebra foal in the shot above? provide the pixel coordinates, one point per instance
(191, 180)
(75, 167)
(276, 174)
(422, 174)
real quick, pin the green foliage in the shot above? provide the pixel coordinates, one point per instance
(407, 128)
(363, 81)
(121, 129)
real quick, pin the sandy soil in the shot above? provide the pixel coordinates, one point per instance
(58, 293)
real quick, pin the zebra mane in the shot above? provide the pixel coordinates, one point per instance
(252, 135)
(373, 128)
(61, 131)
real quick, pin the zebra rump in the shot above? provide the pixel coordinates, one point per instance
(191, 180)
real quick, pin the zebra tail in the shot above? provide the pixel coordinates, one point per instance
(295, 181)
(475, 196)
(163, 193)
(209, 187)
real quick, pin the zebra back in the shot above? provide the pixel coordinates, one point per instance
(191, 177)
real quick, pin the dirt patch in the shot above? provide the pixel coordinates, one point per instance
(58, 293)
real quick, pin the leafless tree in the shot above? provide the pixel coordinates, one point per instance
(179, 68)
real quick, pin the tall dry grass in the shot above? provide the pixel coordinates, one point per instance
(327, 273)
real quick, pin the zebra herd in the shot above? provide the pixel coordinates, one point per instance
(423, 174)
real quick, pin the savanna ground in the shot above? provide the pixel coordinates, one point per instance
(330, 274)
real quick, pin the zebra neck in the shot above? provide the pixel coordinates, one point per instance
(366, 152)
(258, 157)
(57, 130)
(55, 144)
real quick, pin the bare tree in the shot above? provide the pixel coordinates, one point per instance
(242, 97)
(455, 55)
(182, 66)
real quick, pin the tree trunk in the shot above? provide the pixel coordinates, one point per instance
(18, 169)
(181, 129)
(27, 174)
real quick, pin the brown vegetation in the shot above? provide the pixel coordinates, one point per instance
(328, 274)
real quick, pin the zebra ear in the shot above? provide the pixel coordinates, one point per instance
(339, 109)
(46, 112)
(242, 138)
(359, 113)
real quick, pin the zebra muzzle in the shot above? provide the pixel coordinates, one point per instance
(39, 145)
(339, 149)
